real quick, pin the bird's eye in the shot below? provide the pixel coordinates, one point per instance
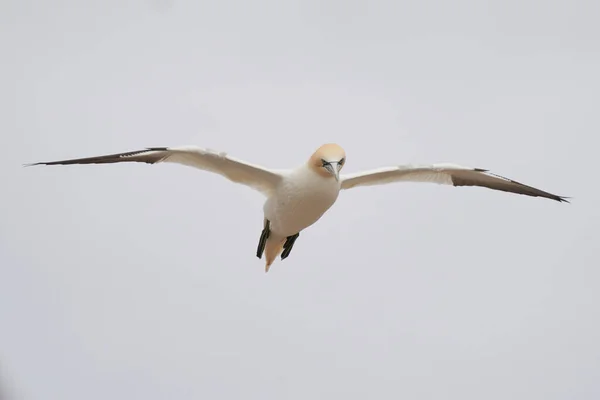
(342, 161)
(324, 162)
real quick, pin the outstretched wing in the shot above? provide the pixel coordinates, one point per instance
(254, 176)
(445, 174)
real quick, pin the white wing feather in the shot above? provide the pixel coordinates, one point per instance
(445, 174)
(259, 178)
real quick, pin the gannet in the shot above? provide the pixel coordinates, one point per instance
(297, 198)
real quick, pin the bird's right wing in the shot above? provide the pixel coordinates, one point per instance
(259, 178)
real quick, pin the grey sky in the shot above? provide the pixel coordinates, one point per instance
(131, 281)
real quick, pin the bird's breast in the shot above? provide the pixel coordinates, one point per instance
(300, 201)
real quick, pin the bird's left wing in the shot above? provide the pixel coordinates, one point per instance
(446, 174)
(254, 176)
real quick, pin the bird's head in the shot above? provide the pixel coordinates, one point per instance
(328, 160)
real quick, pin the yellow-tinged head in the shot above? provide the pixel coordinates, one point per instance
(328, 160)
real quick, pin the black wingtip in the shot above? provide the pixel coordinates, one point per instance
(560, 199)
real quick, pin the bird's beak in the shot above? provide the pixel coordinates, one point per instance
(333, 169)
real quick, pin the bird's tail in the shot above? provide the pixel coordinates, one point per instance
(273, 248)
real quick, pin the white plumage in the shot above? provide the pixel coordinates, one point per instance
(297, 198)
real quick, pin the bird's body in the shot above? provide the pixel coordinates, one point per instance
(297, 198)
(301, 198)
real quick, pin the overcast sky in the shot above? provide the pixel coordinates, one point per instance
(141, 282)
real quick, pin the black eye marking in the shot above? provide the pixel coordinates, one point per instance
(325, 162)
(342, 161)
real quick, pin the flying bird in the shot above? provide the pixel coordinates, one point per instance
(297, 198)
